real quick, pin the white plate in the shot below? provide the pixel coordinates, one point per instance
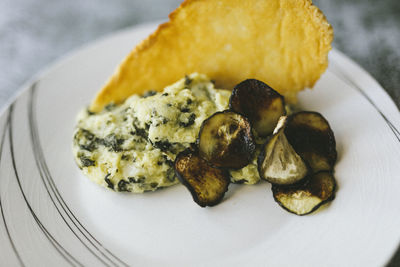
(53, 216)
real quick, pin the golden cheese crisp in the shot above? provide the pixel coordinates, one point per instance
(284, 43)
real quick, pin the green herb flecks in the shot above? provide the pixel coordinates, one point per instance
(86, 162)
(162, 145)
(149, 93)
(123, 186)
(89, 113)
(85, 139)
(125, 157)
(187, 121)
(188, 81)
(110, 107)
(134, 180)
(108, 181)
(171, 174)
(112, 142)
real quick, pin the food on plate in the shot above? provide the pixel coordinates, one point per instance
(206, 183)
(186, 134)
(279, 163)
(226, 140)
(312, 138)
(132, 146)
(258, 102)
(248, 174)
(284, 43)
(298, 160)
(306, 198)
(141, 133)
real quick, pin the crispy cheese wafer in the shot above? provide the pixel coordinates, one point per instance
(283, 43)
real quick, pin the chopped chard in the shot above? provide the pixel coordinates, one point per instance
(188, 121)
(112, 142)
(108, 181)
(85, 139)
(188, 81)
(139, 180)
(86, 162)
(110, 107)
(164, 145)
(123, 186)
(125, 157)
(90, 113)
(149, 93)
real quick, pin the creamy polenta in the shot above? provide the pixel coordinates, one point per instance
(131, 147)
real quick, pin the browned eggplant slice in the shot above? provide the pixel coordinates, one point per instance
(261, 104)
(206, 183)
(308, 197)
(226, 140)
(312, 138)
(278, 162)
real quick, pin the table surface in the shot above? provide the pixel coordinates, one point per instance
(34, 33)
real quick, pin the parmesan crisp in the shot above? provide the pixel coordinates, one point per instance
(284, 43)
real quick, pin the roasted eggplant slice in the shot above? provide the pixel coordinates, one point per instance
(306, 198)
(278, 162)
(261, 104)
(226, 140)
(206, 183)
(311, 137)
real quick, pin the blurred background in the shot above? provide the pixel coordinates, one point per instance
(34, 33)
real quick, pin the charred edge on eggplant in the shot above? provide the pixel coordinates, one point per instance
(206, 184)
(312, 137)
(321, 185)
(226, 141)
(261, 104)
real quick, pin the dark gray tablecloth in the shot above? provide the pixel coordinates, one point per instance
(34, 33)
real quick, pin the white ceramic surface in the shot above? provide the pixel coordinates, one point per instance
(51, 215)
